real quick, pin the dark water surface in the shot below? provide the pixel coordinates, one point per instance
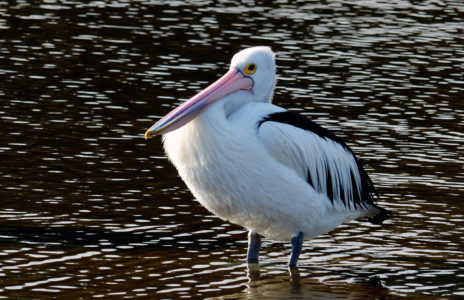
(90, 209)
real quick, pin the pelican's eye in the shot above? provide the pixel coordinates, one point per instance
(250, 69)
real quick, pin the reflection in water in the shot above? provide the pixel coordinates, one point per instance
(90, 209)
(277, 287)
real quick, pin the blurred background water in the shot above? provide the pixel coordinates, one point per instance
(90, 209)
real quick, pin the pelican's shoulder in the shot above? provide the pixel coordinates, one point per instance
(299, 121)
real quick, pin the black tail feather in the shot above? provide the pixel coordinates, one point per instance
(380, 215)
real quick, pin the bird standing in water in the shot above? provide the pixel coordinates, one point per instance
(263, 167)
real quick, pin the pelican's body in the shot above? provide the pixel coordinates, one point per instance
(257, 165)
(229, 169)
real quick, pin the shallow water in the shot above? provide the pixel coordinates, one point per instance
(90, 209)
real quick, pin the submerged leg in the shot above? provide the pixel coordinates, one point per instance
(297, 244)
(254, 244)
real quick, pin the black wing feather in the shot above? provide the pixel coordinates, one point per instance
(360, 198)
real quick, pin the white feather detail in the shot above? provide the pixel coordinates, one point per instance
(316, 157)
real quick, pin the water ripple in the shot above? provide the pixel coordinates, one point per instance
(90, 209)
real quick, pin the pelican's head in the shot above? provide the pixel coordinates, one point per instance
(258, 64)
(252, 70)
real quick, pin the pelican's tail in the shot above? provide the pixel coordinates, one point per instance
(378, 214)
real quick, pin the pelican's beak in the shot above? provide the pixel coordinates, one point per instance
(232, 81)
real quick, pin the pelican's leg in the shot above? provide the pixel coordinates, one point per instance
(297, 244)
(254, 244)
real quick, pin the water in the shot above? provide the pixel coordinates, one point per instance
(90, 209)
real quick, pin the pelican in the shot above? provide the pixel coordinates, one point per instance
(255, 164)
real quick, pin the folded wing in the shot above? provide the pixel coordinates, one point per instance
(318, 156)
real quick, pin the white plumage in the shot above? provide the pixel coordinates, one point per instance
(259, 166)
